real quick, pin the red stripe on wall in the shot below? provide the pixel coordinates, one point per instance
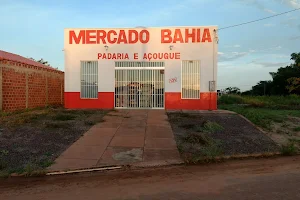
(207, 101)
(173, 101)
(105, 101)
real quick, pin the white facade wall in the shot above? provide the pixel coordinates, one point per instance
(206, 52)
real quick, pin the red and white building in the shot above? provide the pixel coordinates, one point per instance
(166, 67)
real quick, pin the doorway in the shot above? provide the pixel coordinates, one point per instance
(139, 85)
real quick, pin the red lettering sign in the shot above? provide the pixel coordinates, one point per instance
(187, 35)
(110, 37)
(146, 56)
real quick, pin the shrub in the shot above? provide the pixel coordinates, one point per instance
(230, 99)
(63, 117)
(197, 138)
(212, 127)
(289, 149)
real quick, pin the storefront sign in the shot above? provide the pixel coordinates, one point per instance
(133, 36)
(136, 56)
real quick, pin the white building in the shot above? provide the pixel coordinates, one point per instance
(167, 68)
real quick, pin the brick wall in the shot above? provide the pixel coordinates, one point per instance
(25, 86)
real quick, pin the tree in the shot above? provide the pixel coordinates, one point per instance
(294, 85)
(262, 88)
(285, 81)
(296, 57)
(232, 90)
(41, 61)
(283, 74)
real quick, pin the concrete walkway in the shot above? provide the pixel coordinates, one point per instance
(127, 137)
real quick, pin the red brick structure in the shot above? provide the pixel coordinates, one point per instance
(25, 83)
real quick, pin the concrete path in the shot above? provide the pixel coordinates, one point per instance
(127, 137)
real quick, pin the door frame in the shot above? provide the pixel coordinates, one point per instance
(140, 68)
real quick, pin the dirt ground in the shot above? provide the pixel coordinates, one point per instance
(286, 133)
(276, 179)
(31, 140)
(200, 136)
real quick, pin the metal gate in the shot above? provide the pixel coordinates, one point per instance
(139, 85)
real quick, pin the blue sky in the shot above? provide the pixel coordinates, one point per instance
(34, 28)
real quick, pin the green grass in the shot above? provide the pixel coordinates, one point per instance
(289, 149)
(296, 129)
(89, 122)
(262, 117)
(231, 99)
(275, 102)
(53, 124)
(63, 117)
(197, 138)
(211, 127)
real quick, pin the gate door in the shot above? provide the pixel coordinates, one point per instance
(139, 85)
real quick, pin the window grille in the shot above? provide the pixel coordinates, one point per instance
(190, 79)
(89, 79)
(138, 64)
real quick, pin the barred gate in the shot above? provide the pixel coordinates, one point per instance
(139, 84)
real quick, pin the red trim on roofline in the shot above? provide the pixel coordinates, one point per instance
(20, 59)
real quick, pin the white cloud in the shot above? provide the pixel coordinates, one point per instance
(278, 48)
(220, 53)
(232, 56)
(237, 46)
(258, 5)
(271, 64)
(291, 3)
(270, 11)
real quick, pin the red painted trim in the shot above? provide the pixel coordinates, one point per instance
(105, 101)
(207, 101)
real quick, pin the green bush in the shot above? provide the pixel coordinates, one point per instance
(231, 99)
(289, 149)
(279, 102)
(63, 117)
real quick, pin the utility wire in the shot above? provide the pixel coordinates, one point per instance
(258, 19)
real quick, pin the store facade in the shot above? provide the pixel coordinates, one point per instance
(148, 68)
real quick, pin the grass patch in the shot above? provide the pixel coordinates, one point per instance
(199, 147)
(51, 125)
(289, 149)
(63, 117)
(4, 174)
(210, 127)
(184, 114)
(274, 102)
(212, 151)
(197, 138)
(45, 163)
(89, 122)
(296, 129)
(58, 127)
(3, 164)
(262, 117)
(187, 126)
(231, 99)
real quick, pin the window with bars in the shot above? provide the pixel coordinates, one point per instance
(89, 79)
(190, 79)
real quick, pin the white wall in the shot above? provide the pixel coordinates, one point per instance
(205, 52)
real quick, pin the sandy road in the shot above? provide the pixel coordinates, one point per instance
(277, 178)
